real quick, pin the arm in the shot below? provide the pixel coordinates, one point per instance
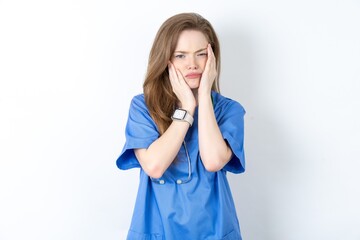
(214, 151)
(159, 155)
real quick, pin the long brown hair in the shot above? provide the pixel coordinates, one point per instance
(159, 97)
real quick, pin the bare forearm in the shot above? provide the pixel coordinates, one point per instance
(214, 151)
(159, 155)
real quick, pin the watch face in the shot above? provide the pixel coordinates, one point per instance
(179, 114)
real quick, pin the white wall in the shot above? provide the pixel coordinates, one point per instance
(68, 70)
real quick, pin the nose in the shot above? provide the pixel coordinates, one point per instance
(192, 64)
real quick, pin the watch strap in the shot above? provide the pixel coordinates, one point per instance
(186, 117)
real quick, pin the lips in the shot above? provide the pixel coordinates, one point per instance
(193, 75)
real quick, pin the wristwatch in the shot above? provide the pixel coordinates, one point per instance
(182, 115)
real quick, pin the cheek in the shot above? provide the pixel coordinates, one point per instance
(203, 63)
(177, 64)
(178, 67)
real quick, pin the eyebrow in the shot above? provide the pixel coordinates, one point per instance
(200, 50)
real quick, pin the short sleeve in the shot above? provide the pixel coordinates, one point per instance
(140, 132)
(231, 124)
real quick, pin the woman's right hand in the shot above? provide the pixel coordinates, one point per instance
(181, 89)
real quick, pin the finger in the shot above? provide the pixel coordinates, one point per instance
(172, 74)
(211, 55)
(211, 59)
(176, 73)
(210, 51)
(181, 78)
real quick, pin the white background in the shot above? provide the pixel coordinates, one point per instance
(68, 70)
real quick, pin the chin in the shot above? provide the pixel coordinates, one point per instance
(194, 84)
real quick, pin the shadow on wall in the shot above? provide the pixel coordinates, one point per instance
(267, 150)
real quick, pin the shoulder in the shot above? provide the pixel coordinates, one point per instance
(138, 102)
(138, 106)
(139, 110)
(222, 103)
(138, 99)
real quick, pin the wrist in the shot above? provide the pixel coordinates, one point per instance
(204, 96)
(190, 108)
(183, 115)
(204, 90)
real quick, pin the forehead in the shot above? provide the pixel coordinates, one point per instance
(191, 40)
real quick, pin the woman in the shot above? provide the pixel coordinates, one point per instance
(184, 136)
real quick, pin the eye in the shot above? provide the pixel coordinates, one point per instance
(179, 56)
(203, 54)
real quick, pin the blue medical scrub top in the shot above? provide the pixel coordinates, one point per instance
(202, 208)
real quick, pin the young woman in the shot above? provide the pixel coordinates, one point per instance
(184, 136)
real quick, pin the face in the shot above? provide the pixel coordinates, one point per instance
(190, 56)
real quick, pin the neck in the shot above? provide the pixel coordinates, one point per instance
(195, 92)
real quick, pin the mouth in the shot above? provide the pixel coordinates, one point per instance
(193, 75)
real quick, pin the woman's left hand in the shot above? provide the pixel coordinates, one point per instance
(209, 74)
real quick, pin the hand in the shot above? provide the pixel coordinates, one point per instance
(209, 74)
(181, 89)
